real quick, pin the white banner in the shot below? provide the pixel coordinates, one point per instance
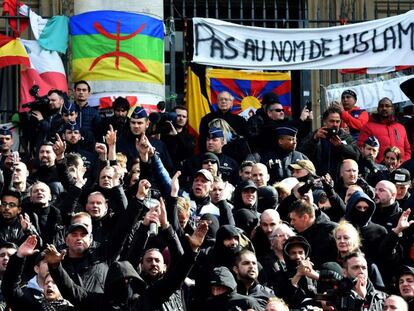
(377, 43)
(369, 93)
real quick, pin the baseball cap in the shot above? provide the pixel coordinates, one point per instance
(210, 156)
(400, 176)
(303, 164)
(248, 184)
(77, 225)
(205, 173)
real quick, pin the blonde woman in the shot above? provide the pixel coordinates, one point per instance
(348, 241)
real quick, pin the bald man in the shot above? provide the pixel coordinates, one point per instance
(388, 210)
(269, 220)
(395, 303)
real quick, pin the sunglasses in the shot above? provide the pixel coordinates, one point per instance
(277, 110)
(209, 162)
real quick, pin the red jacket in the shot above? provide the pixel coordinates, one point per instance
(355, 118)
(389, 133)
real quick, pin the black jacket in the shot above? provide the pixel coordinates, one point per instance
(12, 232)
(21, 298)
(388, 216)
(257, 291)
(371, 233)
(90, 270)
(230, 300)
(119, 295)
(320, 238)
(278, 161)
(326, 157)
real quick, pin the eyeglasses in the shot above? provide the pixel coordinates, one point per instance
(277, 110)
(9, 204)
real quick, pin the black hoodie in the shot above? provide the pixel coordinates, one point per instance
(230, 300)
(371, 233)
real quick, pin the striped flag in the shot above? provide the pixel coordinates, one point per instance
(45, 70)
(118, 51)
(12, 52)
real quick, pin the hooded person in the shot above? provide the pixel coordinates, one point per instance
(213, 227)
(245, 197)
(223, 293)
(246, 220)
(223, 253)
(359, 211)
(293, 288)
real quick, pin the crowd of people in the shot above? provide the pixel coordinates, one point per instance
(133, 212)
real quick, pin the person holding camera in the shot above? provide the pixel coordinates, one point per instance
(329, 145)
(353, 116)
(50, 121)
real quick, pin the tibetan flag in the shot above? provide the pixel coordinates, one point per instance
(248, 88)
(12, 52)
(117, 46)
(13, 8)
(45, 70)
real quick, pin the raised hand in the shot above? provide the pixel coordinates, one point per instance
(59, 147)
(27, 248)
(197, 238)
(163, 214)
(24, 221)
(79, 173)
(143, 146)
(102, 150)
(175, 184)
(403, 222)
(52, 256)
(151, 216)
(143, 188)
(110, 136)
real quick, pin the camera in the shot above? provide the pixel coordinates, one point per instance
(336, 293)
(331, 132)
(161, 122)
(40, 103)
(309, 184)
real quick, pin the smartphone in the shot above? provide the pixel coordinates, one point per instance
(15, 157)
(309, 105)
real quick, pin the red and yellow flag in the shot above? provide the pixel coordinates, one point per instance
(12, 52)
